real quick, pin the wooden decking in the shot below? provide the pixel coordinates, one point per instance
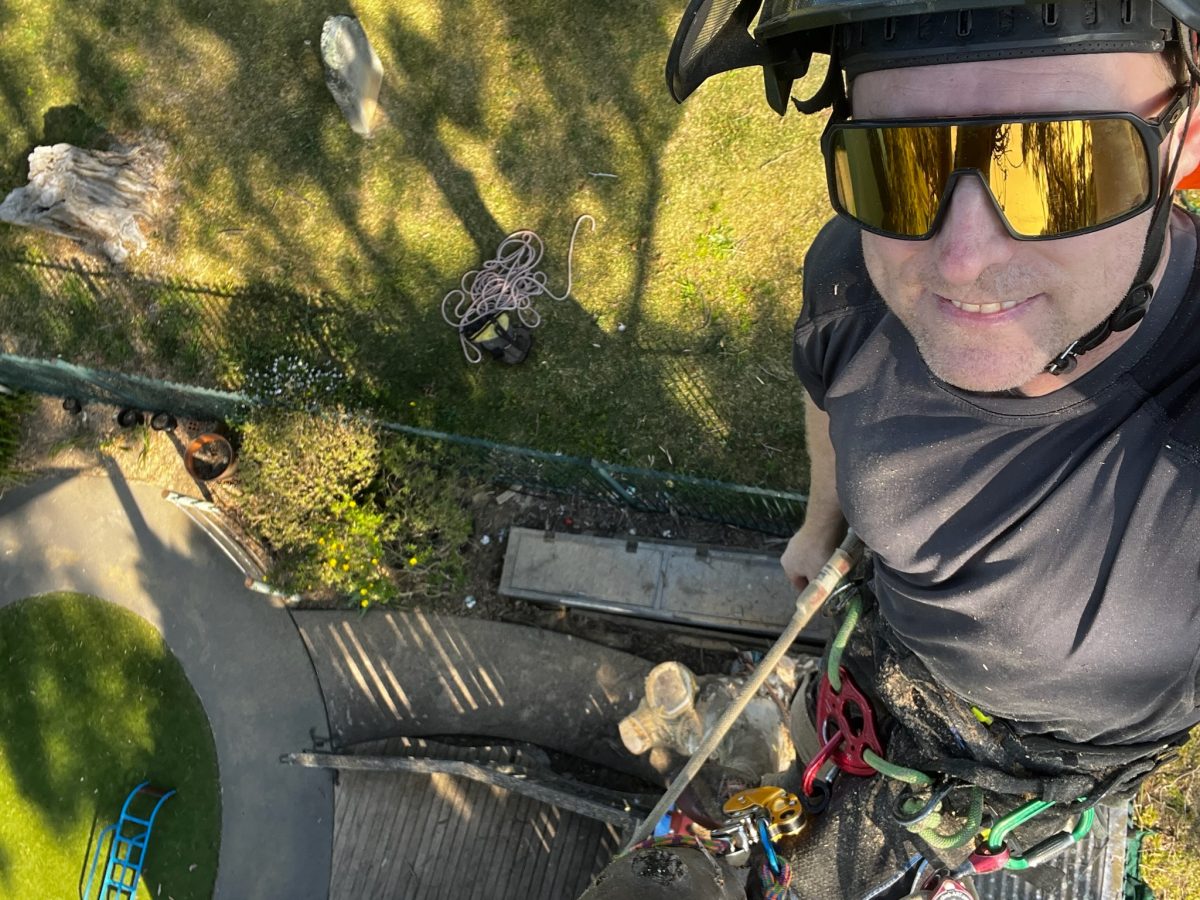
(426, 837)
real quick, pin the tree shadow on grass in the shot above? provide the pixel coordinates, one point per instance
(503, 114)
(91, 700)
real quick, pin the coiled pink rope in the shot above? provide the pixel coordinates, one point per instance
(508, 283)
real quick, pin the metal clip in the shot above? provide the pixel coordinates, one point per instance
(937, 795)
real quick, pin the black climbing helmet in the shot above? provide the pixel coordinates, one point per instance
(860, 36)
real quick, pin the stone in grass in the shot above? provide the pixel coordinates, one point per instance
(352, 71)
(94, 197)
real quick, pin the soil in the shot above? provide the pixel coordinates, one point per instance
(55, 440)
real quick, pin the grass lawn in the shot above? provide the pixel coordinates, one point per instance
(1169, 805)
(92, 703)
(304, 240)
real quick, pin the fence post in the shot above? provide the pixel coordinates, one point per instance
(612, 484)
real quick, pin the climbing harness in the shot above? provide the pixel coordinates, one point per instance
(845, 721)
(493, 310)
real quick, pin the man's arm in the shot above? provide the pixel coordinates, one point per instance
(824, 525)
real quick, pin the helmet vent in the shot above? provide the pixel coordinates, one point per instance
(889, 29)
(713, 16)
(964, 23)
(1127, 11)
(1049, 14)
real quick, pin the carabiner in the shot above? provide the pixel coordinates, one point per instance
(938, 793)
(815, 764)
(764, 838)
(1040, 852)
(1055, 844)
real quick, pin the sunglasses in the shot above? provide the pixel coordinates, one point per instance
(1048, 176)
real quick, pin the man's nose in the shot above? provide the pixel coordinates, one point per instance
(971, 237)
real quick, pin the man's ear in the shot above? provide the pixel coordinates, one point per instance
(1187, 176)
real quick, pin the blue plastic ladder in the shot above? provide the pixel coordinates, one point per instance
(127, 848)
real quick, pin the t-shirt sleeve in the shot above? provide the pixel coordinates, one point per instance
(840, 309)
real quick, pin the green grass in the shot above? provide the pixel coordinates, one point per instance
(12, 407)
(336, 248)
(1169, 804)
(92, 704)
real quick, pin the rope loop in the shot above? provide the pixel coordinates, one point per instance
(776, 887)
(508, 283)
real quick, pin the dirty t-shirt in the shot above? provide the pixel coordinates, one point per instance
(1040, 555)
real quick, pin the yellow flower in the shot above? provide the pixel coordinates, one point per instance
(320, 540)
(333, 564)
(412, 561)
(346, 568)
(374, 560)
(353, 504)
(362, 591)
(364, 604)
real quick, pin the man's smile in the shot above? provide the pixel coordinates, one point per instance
(993, 311)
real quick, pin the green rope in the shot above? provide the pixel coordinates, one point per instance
(891, 770)
(928, 829)
(840, 640)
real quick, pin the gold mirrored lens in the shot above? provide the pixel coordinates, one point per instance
(1048, 178)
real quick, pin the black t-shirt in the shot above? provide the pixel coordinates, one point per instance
(1040, 555)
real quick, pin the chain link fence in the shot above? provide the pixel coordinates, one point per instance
(644, 490)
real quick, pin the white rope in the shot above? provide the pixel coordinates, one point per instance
(508, 283)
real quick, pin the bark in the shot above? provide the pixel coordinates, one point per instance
(94, 197)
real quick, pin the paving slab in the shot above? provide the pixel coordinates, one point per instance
(122, 542)
(688, 584)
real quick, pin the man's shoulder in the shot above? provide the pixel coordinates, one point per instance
(836, 282)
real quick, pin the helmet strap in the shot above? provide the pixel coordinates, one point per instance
(1132, 309)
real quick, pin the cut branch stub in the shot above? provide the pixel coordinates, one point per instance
(91, 196)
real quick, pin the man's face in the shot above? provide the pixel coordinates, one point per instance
(956, 291)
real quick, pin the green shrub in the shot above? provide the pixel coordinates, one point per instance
(347, 554)
(373, 519)
(295, 468)
(423, 494)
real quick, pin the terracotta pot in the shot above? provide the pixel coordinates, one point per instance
(210, 457)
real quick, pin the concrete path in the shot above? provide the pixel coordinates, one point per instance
(122, 542)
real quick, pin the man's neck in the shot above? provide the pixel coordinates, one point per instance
(1044, 383)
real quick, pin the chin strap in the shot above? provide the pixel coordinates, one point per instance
(1132, 308)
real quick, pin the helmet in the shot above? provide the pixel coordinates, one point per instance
(864, 35)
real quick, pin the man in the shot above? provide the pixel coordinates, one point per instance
(999, 339)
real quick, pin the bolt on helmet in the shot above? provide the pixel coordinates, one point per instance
(781, 36)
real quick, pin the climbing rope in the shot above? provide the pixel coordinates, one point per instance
(776, 887)
(508, 283)
(929, 826)
(841, 640)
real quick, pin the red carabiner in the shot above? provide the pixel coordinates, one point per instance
(836, 714)
(822, 757)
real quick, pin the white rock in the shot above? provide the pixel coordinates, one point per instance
(353, 72)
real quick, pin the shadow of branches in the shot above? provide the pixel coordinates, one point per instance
(289, 236)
